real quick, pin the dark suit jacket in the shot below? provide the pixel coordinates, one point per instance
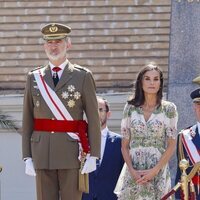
(103, 181)
(196, 141)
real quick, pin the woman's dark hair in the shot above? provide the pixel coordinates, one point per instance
(138, 99)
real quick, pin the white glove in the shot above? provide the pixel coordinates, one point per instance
(90, 165)
(29, 168)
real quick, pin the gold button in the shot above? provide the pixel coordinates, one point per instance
(52, 132)
(52, 118)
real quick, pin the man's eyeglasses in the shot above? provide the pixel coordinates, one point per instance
(102, 110)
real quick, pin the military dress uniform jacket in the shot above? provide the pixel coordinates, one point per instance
(76, 90)
(102, 182)
(196, 142)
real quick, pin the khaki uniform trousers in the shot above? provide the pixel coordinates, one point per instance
(61, 184)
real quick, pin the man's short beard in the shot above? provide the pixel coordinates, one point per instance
(56, 57)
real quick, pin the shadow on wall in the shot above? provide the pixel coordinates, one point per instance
(14, 183)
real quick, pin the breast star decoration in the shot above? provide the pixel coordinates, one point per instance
(71, 96)
(37, 103)
(65, 95)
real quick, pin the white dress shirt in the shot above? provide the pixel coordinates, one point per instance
(104, 133)
(62, 66)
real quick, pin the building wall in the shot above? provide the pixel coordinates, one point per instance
(14, 183)
(113, 38)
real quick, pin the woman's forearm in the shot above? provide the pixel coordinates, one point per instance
(167, 154)
(126, 153)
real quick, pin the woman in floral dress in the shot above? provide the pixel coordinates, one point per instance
(149, 129)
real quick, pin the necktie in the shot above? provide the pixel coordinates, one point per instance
(55, 75)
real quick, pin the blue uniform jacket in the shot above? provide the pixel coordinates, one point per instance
(102, 182)
(196, 141)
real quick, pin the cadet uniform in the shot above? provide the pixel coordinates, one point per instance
(45, 139)
(189, 141)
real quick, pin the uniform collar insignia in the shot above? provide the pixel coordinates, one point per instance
(70, 67)
(193, 131)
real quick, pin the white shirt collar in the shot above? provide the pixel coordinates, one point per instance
(104, 132)
(62, 66)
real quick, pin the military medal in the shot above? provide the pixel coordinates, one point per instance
(54, 75)
(65, 95)
(36, 87)
(77, 95)
(71, 96)
(71, 88)
(37, 104)
(71, 103)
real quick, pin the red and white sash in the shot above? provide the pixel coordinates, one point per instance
(189, 145)
(54, 103)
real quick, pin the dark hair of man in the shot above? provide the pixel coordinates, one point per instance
(139, 98)
(105, 101)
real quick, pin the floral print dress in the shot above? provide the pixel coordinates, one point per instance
(148, 141)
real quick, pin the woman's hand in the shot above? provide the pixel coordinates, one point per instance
(136, 175)
(147, 175)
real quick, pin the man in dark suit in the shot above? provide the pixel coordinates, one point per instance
(103, 181)
(188, 148)
(56, 97)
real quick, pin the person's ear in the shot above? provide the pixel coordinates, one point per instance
(45, 45)
(69, 43)
(108, 114)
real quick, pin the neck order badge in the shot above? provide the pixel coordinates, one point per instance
(55, 75)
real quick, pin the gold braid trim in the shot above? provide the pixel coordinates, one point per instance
(194, 170)
(180, 148)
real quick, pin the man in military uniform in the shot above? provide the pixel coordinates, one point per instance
(56, 97)
(188, 147)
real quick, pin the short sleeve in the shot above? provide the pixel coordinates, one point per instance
(171, 120)
(125, 123)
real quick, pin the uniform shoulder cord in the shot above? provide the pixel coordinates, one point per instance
(194, 170)
(180, 149)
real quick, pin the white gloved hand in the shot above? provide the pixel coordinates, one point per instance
(29, 168)
(90, 165)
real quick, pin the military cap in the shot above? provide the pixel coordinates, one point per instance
(195, 95)
(55, 31)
